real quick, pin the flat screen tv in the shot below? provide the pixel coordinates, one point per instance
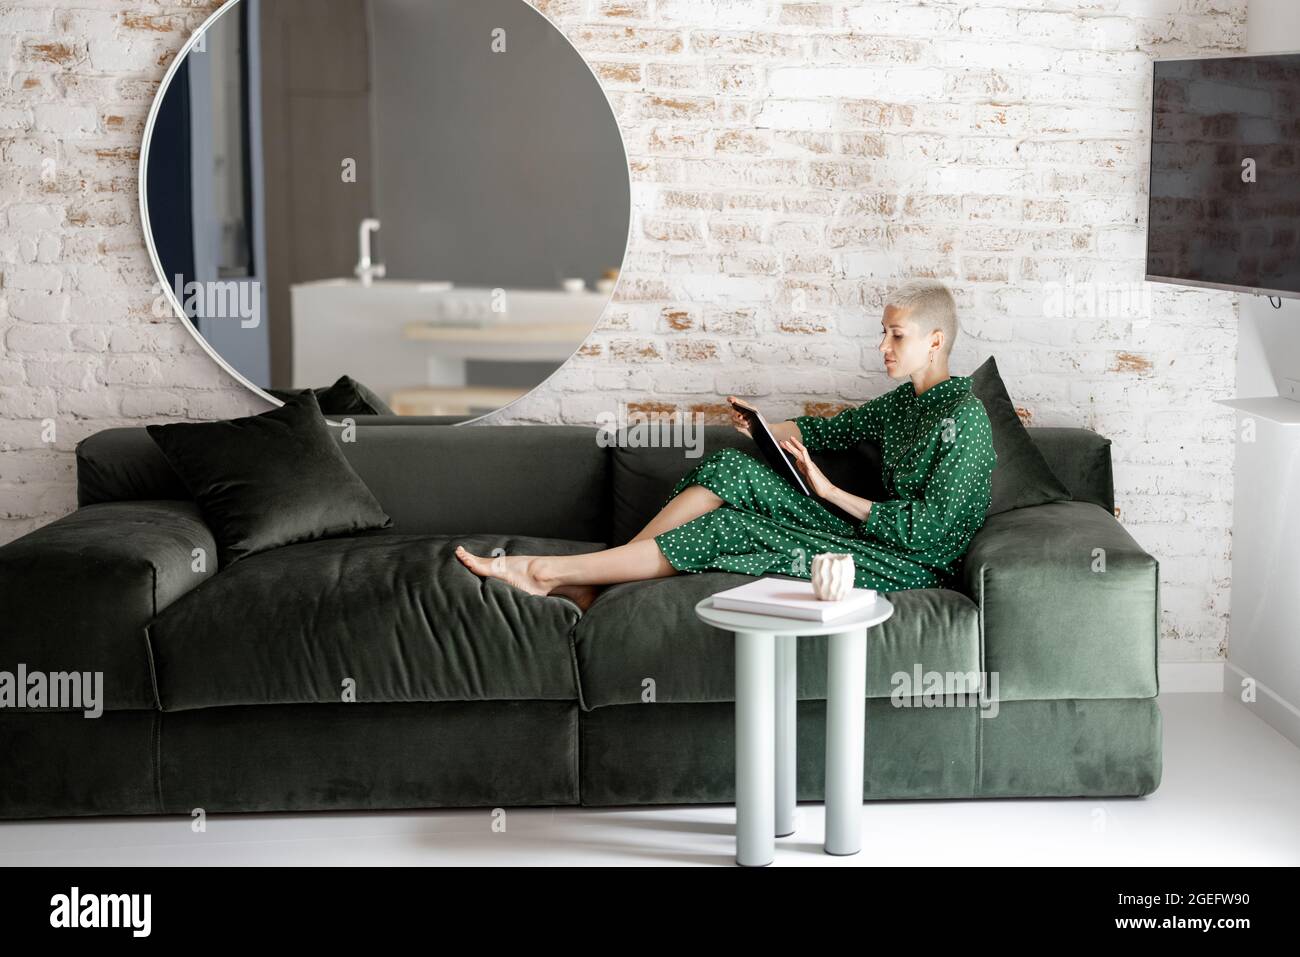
(1224, 205)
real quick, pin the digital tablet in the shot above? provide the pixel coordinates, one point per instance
(776, 456)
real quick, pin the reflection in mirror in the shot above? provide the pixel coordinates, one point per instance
(415, 206)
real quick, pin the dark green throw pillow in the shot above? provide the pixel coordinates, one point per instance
(347, 396)
(269, 480)
(1021, 476)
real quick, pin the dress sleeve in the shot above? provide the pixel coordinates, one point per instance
(956, 491)
(846, 429)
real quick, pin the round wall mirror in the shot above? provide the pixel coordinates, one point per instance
(411, 207)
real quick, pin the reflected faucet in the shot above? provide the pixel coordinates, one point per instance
(366, 269)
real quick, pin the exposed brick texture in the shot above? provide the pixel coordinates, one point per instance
(789, 161)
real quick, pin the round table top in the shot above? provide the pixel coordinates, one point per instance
(748, 621)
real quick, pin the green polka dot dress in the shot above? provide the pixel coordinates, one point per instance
(938, 458)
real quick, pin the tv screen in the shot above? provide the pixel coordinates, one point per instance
(1224, 206)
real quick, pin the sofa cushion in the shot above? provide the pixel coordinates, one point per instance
(268, 480)
(647, 632)
(396, 616)
(1022, 476)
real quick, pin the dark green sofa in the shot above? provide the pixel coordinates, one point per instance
(224, 690)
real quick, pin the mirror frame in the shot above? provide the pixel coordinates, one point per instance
(170, 294)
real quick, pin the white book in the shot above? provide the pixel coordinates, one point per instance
(791, 598)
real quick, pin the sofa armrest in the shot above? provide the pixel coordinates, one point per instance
(76, 595)
(1069, 604)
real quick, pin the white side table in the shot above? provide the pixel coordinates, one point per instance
(765, 725)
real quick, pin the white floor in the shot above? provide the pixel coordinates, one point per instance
(1230, 795)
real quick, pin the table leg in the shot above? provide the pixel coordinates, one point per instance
(755, 748)
(786, 703)
(846, 687)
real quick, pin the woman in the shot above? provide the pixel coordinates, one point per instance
(732, 512)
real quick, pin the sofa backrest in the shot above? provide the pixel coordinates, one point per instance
(549, 481)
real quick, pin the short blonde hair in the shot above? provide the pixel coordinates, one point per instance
(931, 306)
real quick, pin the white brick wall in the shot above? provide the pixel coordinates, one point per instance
(789, 161)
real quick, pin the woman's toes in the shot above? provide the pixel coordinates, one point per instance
(515, 570)
(479, 566)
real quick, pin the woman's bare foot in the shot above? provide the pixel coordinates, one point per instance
(518, 570)
(580, 595)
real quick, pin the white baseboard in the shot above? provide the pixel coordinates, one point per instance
(1183, 676)
(1269, 706)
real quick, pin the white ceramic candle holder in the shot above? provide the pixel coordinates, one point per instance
(832, 575)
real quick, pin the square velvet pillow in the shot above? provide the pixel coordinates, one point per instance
(269, 480)
(1021, 476)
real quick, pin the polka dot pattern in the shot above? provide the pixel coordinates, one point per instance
(938, 459)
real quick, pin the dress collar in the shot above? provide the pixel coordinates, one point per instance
(950, 388)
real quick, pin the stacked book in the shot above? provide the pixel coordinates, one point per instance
(791, 598)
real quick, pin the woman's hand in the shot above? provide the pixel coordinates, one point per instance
(816, 479)
(738, 420)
